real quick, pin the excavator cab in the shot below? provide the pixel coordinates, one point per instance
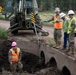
(8, 9)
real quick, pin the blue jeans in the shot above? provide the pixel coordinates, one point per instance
(66, 38)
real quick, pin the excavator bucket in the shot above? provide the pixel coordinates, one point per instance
(44, 33)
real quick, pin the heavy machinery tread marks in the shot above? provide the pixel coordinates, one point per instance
(12, 22)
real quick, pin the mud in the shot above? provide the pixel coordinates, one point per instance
(32, 65)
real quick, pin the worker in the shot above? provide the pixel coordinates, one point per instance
(57, 28)
(71, 30)
(15, 58)
(38, 20)
(65, 28)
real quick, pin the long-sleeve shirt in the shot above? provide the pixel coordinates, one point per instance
(52, 19)
(73, 25)
(72, 30)
(65, 24)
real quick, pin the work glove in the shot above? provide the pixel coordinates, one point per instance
(10, 63)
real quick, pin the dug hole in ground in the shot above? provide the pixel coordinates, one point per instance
(31, 62)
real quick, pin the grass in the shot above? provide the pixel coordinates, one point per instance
(46, 16)
(1, 16)
(51, 42)
(3, 34)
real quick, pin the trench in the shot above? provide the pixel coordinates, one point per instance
(32, 64)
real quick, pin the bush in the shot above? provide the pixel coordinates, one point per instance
(1, 17)
(3, 34)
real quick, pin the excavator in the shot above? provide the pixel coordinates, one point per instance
(19, 13)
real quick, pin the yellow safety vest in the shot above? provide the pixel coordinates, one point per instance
(15, 55)
(69, 26)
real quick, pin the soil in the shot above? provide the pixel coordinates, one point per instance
(31, 63)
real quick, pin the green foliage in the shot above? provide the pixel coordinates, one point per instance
(62, 4)
(3, 34)
(51, 42)
(51, 4)
(1, 16)
(2, 2)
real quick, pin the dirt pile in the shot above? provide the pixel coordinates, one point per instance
(5, 45)
(49, 71)
(29, 61)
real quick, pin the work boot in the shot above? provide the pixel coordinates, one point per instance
(66, 50)
(73, 51)
(58, 47)
(70, 52)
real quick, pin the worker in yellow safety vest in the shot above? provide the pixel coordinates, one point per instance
(57, 28)
(15, 57)
(65, 29)
(71, 31)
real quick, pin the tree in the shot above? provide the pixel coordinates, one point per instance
(51, 4)
(2, 2)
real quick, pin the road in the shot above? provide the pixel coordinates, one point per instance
(4, 24)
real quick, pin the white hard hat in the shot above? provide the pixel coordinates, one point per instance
(62, 15)
(57, 9)
(71, 12)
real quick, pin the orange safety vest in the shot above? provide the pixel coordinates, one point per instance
(15, 55)
(57, 25)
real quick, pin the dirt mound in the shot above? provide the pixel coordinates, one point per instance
(5, 45)
(29, 61)
(49, 71)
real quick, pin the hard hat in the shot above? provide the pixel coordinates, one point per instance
(71, 12)
(57, 9)
(14, 44)
(62, 15)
